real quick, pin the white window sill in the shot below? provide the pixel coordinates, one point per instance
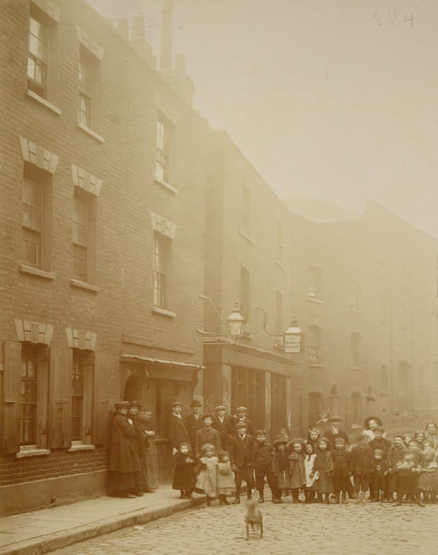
(25, 269)
(354, 311)
(90, 132)
(83, 285)
(31, 452)
(247, 237)
(311, 365)
(80, 447)
(163, 312)
(166, 185)
(356, 368)
(315, 300)
(44, 102)
(280, 265)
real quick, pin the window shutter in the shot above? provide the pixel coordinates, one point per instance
(100, 392)
(60, 397)
(42, 398)
(11, 398)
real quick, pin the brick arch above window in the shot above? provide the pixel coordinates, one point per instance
(38, 156)
(163, 226)
(82, 340)
(84, 180)
(33, 332)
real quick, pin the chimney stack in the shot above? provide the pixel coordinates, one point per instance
(138, 41)
(166, 36)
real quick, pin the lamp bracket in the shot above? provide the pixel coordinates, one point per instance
(265, 323)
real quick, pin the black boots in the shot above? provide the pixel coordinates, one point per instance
(276, 496)
(248, 493)
(223, 500)
(261, 496)
(236, 500)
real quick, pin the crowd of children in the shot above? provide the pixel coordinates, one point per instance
(322, 467)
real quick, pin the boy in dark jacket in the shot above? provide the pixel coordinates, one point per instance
(378, 476)
(263, 454)
(381, 443)
(184, 477)
(242, 460)
(341, 470)
(361, 467)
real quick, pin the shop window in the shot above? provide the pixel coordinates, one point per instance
(248, 389)
(36, 217)
(278, 403)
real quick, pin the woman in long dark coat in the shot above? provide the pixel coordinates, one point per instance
(124, 465)
(141, 440)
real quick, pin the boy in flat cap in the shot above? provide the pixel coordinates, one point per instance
(240, 416)
(263, 455)
(193, 421)
(177, 430)
(223, 425)
(207, 435)
(242, 460)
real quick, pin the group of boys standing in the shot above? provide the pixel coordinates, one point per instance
(225, 451)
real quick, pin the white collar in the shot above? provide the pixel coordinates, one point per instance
(177, 415)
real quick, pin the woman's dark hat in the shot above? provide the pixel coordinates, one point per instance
(279, 440)
(366, 422)
(195, 403)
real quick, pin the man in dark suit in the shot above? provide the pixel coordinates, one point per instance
(193, 421)
(240, 416)
(224, 426)
(177, 431)
(242, 460)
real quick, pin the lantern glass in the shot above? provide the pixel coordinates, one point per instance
(236, 322)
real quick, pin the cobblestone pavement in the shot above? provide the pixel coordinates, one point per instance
(365, 529)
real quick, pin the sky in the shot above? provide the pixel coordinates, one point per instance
(337, 99)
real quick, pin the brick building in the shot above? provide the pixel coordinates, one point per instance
(247, 255)
(101, 259)
(364, 289)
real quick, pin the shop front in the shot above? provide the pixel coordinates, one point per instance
(157, 383)
(262, 381)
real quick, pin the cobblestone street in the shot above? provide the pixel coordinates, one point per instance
(365, 529)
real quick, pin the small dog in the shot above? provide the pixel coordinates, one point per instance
(253, 518)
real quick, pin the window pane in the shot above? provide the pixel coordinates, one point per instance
(80, 262)
(31, 247)
(28, 395)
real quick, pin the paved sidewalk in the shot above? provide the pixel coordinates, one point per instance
(45, 530)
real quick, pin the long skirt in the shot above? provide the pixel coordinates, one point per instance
(151, 466)
(121, 483)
